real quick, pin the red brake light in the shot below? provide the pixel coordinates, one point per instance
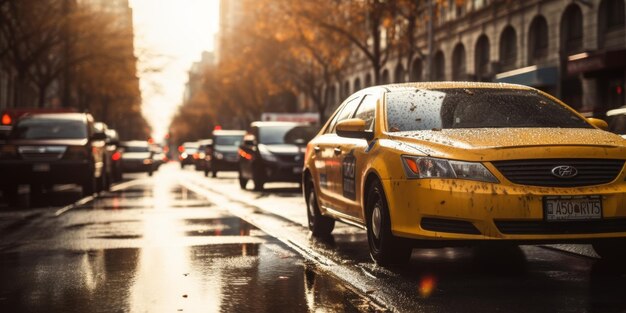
(181, 149)
(116, 156)
(6, 119)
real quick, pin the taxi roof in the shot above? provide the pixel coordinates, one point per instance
(447, 85)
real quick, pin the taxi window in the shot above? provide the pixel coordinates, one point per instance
(345, 113)
(366, 111)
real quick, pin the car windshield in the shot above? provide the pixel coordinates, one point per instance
(287, 134)
(49, 128)
(228, 140)
(136, 149)
(476, 108)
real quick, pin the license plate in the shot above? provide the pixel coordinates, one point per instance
(297, 170)
(582, 208)
(41, 167)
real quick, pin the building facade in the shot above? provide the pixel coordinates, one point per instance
(572, 49)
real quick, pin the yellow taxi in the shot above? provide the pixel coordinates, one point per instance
(451, 163)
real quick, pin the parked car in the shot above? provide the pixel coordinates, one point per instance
(115, 154)
(223, 153)
(108, 151)
(186, 153)
(44, 149)
(444, 164)
(203, 154)
(137, 157)
(273, 152)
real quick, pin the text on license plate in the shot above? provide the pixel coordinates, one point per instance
(572, 208)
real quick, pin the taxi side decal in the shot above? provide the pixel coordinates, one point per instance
(348, 169)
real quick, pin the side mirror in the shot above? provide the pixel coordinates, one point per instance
(598, 123)
(98, 136)
(353, 128)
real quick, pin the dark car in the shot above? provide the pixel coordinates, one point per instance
(186, 153)
(223, 153)
(53, 148)
(115, 154)
(273, 152)
(137, 157)
(203, 155)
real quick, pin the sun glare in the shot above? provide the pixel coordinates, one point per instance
(176, 31)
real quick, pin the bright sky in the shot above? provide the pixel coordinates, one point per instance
(171, 34)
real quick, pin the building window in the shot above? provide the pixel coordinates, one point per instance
(416, 70)
(357, 84)
(384, 78)
(611, 22)
(346, 89)
(538, 40)
(572, 30)
(399, 75)
(459, 68)
(483, 72)
(508, 49)
(440, 67)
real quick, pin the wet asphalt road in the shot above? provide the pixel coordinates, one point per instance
(181, 242)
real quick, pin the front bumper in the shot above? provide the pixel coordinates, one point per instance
(52, 172)
(446, 209)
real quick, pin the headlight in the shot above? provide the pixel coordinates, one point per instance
(425, 167)
(266, 154)
(219, 155)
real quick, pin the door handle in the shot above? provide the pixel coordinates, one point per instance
(337, 150)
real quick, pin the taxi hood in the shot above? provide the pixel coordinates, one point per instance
(508, 138)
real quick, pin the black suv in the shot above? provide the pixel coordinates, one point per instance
(273, 152)
(53, 148)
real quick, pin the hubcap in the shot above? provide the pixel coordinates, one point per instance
(376, 221)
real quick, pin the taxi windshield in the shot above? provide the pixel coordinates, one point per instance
(411, 110)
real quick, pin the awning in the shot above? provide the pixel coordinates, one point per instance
(593, 62)
(533, 76)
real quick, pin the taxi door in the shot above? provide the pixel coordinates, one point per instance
(350, 160)
(326, 148)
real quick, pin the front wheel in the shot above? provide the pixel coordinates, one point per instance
(319, 225)
(89, 187)
(385, 248)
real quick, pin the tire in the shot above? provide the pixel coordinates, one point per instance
(258, 183)
(206, 173)
(10, 193)
(385, 248)
(182, 166)
(319, 225)
(214, 173)
(242, 182)
(612, 250)
(150, 172)
(89, 187)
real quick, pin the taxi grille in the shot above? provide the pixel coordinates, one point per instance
(539, 172)
(555, 228)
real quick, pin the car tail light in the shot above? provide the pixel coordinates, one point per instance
(6, 119)
(245, 155)
(181, 149)
(77, 153)
(116, 156)
(195, 156)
